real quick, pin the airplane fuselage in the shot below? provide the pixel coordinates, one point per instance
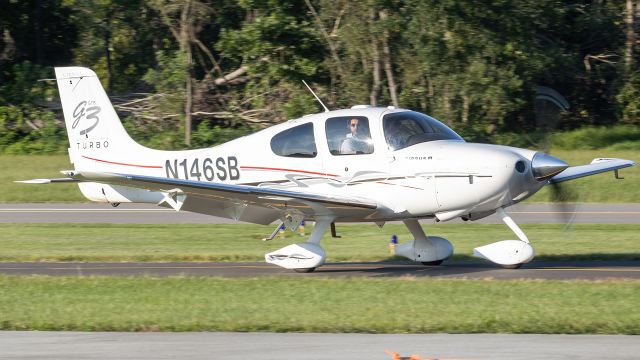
(445, 178)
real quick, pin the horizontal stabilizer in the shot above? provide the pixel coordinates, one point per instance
(47, 181)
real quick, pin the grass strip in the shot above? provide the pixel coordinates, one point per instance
(603, 188)
(224, 242)
(401, 305)
(24, 167)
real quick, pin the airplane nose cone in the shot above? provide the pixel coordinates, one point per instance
(545, 166)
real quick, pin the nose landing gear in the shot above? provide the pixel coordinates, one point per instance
(510, 254)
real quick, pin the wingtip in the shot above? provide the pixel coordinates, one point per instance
(601, 160)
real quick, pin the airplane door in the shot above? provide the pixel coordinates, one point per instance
(353, 149)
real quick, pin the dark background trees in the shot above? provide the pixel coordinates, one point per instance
(187, 73)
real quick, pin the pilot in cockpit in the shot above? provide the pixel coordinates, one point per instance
(395, 136)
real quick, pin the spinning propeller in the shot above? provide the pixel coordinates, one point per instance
(548, 106)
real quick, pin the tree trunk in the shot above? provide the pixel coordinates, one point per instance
(38, 33)
(422, 99)
(375, 88)
(431, 93)
(185, 45)
(107, 46)
(388, 63)
(446, 105)
(188, 104)
(390, 80)
(630, 36)
(465, 107)
(375, 54)
(333, 47)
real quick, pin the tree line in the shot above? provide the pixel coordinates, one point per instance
(187, 73)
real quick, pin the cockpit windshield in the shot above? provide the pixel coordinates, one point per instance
(408, 128)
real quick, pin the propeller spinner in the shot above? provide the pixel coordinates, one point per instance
(545, 166)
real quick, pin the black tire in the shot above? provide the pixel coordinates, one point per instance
(304, 271)
(433, 263)
(515, 266)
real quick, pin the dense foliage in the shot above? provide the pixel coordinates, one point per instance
(190, 73)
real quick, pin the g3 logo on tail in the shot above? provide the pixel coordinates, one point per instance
(90, 113)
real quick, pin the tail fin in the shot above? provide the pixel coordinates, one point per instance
(93, 126)
(98, 142)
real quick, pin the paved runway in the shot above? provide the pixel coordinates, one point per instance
(151, 214)
(230, 346)
(572, 270)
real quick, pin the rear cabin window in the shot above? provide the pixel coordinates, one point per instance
(349, 135)
(295, 142)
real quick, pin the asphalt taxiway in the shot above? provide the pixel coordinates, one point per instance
(549, 270)
(229, 346)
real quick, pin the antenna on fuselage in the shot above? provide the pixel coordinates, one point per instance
(316, 96)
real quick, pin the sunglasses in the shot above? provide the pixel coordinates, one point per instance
(354, 125)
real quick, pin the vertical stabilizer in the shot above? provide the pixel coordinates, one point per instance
(93, 126)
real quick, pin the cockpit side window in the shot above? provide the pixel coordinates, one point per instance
(408, 128)
(349, 135)
(295, 142)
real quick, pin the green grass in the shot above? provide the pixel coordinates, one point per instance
(611, 137)
(599, 188)
(125, 242)
(24, 167)
(400, 305)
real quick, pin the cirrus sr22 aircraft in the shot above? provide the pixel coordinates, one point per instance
(363, 164)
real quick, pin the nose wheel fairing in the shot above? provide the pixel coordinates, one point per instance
(507, 253)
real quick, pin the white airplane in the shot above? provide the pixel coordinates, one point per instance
(363, 164)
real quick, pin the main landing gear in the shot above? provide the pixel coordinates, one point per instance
(303, 257)
(429, 250)
(306, 257)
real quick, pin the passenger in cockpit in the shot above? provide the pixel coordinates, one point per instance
(354, 142)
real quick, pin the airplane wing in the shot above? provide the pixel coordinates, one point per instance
(597, 166)
(241, 202)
